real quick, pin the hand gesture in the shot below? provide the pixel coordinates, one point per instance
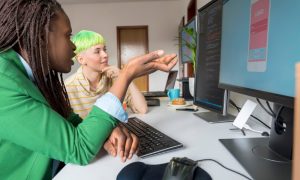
(140, 66)
(111, 71)
(121, 142)
(149, 63)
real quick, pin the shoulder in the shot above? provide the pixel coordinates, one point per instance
(71, 83)
(8, 62)
(71, 79)
(11, 68)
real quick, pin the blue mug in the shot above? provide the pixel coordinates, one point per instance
(173, 93)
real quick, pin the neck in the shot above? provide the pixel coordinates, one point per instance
(92, 76)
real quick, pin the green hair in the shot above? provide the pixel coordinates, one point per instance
(84, 39)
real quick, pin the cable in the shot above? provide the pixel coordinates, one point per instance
(225, 167)
(279, 121)
(261, 105)
(233, 104)
(261, 121)
(270, 108)
(256, 118)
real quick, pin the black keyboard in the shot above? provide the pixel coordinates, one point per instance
(155, 94)
(152, 102)
(152, 141)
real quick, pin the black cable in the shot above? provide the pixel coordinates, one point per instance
(279, 121)
(270, 108)
(261, 121)
(261, 105)
(225, 167)
(256, 118)
(233, 104)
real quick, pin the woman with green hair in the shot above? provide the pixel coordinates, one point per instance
(95, 76)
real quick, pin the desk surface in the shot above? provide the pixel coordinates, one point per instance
(200, 140)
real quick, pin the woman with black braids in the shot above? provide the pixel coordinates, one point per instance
(37, 124)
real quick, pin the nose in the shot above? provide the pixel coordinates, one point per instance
(73, 46)
(104, 53)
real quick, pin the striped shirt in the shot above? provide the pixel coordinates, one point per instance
(82, 98)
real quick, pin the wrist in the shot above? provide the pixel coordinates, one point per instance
(126, 75)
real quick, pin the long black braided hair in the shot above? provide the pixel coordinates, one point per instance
(24, 24)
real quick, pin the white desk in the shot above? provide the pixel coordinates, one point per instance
(200, 140)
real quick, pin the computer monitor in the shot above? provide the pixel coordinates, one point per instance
(188, 41)
(260, 46)
(207, 94)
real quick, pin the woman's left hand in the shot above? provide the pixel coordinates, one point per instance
(121, 142)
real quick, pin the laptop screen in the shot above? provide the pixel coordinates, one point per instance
(171, 80)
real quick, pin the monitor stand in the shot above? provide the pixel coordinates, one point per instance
(267, 158)
(213, 117)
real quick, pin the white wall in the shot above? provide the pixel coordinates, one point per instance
(162, 18)
(201, 3)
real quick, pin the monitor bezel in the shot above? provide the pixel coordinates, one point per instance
(207, 4)
(194, 18)
(195, 102)
(273, 97)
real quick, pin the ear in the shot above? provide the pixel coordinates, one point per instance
(80, 58)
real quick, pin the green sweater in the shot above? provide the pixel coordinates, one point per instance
(32, 134)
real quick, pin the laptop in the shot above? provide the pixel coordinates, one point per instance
(169, 85)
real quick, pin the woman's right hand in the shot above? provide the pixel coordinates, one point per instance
(149, 63)
(140, 66)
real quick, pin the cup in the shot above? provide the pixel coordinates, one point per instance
(173, 94)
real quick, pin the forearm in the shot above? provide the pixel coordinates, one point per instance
(36, 123)
(120, 85)
(137, 101)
